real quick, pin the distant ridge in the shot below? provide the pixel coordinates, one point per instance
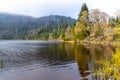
(14, 26)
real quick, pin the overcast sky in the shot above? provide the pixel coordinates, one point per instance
(38, 8)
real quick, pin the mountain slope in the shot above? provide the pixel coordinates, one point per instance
(19, 26)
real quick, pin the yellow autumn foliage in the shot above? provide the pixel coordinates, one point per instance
(110, 69)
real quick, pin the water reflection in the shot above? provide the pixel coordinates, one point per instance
(87, 54)
(54, 55)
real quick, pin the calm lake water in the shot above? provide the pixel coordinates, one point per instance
(49, 60)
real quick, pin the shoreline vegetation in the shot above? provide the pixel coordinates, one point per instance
(114, 43)
(107, 69)
(92, 26)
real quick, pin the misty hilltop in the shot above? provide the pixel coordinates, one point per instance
(20, 26)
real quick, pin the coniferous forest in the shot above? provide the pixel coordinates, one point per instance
(91, 25)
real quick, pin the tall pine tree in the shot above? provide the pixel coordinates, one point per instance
(83, 9)
(82, 28)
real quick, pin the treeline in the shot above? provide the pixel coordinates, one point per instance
(91, 25)
(95, 25)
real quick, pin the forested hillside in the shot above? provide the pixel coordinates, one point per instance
(91, 25)
(21, 27)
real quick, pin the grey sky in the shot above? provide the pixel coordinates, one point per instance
(71, 8)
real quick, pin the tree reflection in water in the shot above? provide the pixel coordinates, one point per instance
(83, 55)
(56, 55)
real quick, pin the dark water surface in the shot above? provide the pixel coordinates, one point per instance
(49, 60)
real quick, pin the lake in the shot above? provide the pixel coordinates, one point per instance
(49, 60)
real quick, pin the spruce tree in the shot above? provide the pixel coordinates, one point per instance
(82, 25)
(83, 8)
